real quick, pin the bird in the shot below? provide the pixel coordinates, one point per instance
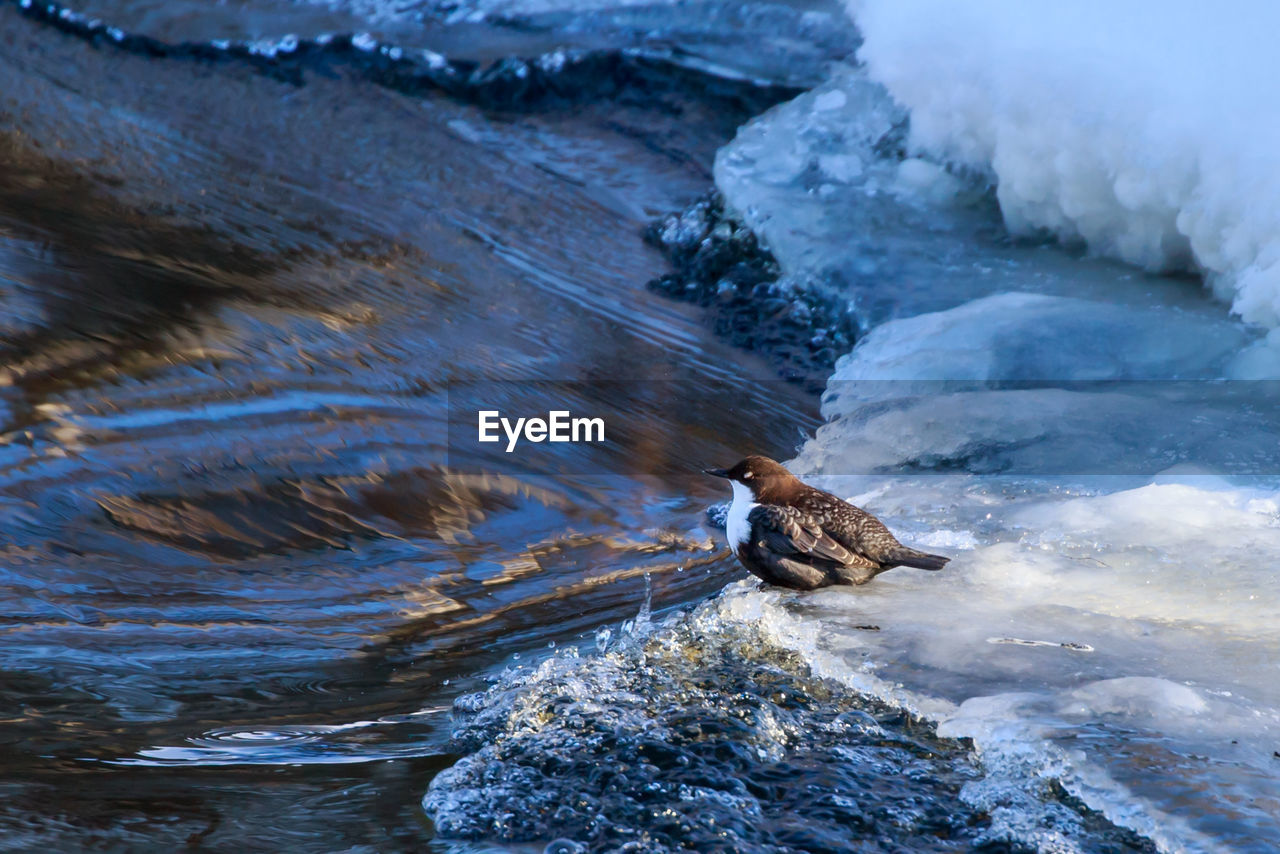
(788, 533)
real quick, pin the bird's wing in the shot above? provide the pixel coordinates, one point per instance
(857, 530)
(789, 531)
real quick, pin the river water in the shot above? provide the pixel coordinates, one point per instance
(261, 263)
(233, 534)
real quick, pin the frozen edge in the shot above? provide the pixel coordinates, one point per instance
(1023, 760)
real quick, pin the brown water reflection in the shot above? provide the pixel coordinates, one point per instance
(228, 532)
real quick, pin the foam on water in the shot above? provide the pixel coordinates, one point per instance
(704, 731)
(1146, 129)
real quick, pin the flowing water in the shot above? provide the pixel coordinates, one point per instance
(243, 571)
(261, 262)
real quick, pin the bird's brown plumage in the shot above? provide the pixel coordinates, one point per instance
(803, 537)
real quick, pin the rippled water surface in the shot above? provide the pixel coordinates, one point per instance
(242, 578)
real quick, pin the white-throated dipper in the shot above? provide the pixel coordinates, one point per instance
(791, 534)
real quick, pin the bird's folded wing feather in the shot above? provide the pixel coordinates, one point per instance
(788, 531)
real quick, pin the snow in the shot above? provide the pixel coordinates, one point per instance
(1148, 130)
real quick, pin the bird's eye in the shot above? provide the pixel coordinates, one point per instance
(748, 476)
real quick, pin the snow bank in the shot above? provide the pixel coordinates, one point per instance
(1149, 130)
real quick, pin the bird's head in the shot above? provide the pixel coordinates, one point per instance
(760, 475)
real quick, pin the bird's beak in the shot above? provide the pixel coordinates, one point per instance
(717, 472)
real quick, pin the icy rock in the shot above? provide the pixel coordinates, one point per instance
(838, 131)
(1136, 429)
(1021, 336)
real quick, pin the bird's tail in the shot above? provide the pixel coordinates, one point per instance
(903, 556)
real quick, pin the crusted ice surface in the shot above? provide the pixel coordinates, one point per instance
(1087, 640)
(1120, 640)
(1104, 620)
(1134, 431)
(1021, 762)
(1044, 385)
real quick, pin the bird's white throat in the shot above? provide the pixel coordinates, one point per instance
(737, 528)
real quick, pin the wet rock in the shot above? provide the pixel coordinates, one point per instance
(693, 739)
(699, 734)
(721, 265)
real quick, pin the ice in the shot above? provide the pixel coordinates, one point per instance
(1018, 751)
(1104, 389)
(1121, 641)
(825, 182)
(1137, 429)
(1077, 435)
(1116, 636)
(1158, 707)
(1021, 336)
(1144, 554)
(1146, 129)
(1135, 696)
(779, 161)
